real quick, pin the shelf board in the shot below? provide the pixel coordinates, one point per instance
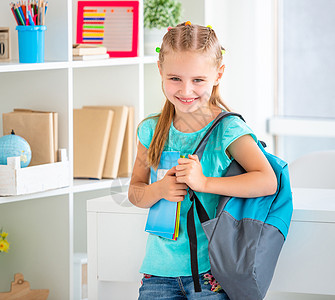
(122, 61)
(50, 193)
(15, 66)
(84, 185)
(79, 185)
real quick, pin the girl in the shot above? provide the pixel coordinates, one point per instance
(190, 64)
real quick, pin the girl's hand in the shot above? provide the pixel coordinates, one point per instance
(171, 189)
(189, 171)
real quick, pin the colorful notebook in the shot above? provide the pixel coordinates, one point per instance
(163, 217)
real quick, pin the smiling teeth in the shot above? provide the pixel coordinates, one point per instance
(186, 100)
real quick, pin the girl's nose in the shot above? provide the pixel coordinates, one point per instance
(186, 89)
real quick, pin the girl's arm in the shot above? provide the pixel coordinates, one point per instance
(259, 179)
(143, 194)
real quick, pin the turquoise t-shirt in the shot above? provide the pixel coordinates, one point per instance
(170, 258)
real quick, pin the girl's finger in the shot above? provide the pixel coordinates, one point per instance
(180, 167)
(194, 157)
(181, 179)
(181, 173)
(180, 193)
(181, 186)
(171, 172)
(182, 161)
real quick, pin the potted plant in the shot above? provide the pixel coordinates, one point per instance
(158, 16)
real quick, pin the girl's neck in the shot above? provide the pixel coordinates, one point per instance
(192, 122)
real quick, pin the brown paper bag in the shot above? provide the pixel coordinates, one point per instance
(55, 126)
(37, 129)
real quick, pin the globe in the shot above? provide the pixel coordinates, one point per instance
(13, 145)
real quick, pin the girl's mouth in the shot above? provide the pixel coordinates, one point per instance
(187, 100)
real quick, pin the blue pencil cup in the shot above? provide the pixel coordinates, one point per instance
(31, 43)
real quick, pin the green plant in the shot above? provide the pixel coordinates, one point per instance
(161, 13)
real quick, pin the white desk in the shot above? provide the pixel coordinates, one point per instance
(116, 247)
(116, 243)
(307, 261)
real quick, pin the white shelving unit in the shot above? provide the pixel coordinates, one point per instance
(46, 229)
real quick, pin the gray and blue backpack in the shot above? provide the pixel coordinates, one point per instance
(247, 234)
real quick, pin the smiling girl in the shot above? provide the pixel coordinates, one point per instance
(190, 65)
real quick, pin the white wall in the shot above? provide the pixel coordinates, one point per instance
(246, 30)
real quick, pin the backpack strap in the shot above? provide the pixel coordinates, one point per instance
(202, 214)
(202, 145)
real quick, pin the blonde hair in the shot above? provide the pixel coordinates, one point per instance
(183, 37)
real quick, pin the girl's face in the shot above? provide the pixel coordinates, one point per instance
(188, 79)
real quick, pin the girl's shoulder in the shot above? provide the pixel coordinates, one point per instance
(146, 129)
(233, 127)
(232, 121)
(149, 123)
(150, 120)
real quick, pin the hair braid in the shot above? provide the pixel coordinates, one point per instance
(208, 38)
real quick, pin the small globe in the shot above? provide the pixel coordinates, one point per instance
(13, 145)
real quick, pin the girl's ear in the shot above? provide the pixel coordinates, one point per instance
(220, 73)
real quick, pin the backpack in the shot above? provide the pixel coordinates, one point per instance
(247, 234)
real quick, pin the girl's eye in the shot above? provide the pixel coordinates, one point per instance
(174, 78)
(198, 80)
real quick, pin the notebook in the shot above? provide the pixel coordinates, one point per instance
(163, 217)
(127, 153)
(115, 144)
(91, 132)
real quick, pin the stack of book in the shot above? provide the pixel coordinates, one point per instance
(103, 139)
(89, 52)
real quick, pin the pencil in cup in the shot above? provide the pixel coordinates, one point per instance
(23, 9)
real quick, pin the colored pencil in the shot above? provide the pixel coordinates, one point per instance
(22, 15)
(24, 9)
(31, 21)
(29, 12)
(18, 13)
(12, 9)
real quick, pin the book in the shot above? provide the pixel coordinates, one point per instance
(115, 144)
(90, 57)
(127, 152)
(37, 128)
(91, 132)
(163, 216)
(88, 49)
